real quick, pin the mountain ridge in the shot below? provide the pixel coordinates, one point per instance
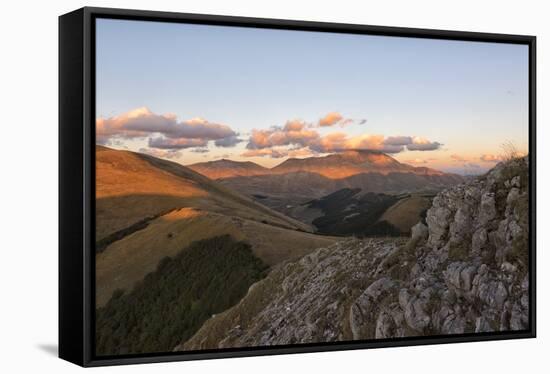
(348, 163)
(333, 166)
(280, 190)
(225, 168)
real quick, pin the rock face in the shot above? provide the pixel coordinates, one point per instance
(465, 270)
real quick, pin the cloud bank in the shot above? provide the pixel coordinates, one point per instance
(166, 135)
(298, 138)
(181, 143)
(164, 130)
(293, 133)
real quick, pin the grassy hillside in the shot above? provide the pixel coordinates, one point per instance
(128, 190)
(131, 187)
(227, 168)
(408, 211)
(173, 302)
(145, 217)
(125, 262)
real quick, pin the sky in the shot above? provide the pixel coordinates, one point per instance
(195, 93)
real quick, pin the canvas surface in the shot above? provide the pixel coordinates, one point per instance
(260, 187)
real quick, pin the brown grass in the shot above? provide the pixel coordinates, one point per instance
(405, 213)
(132, 187)
(274, 244)
(127, 261)
(509, 151)
(123, 173)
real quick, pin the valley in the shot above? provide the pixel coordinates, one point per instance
(351, 212)
(356, 192)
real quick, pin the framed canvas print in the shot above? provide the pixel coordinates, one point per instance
(235, 186)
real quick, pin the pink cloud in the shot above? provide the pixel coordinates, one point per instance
(298, 135)
(338, 141)
(167, 143)
(142, 123)
(423, 144)
(398, 140)
(294, 133)
(115, 126)
(330, 119)
(294, 125)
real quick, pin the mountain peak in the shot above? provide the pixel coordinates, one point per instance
(345, 164)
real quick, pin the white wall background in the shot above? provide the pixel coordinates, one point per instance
(28, 183)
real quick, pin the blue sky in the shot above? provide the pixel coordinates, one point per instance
(469, 97)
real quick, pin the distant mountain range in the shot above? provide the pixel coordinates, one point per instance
(296, 181)
(349, 163)
(334, 166)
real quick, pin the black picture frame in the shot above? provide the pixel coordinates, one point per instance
(77, 176)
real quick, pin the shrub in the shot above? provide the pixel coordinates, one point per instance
(169, 305)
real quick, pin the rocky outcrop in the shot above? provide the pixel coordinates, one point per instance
(465, 270)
